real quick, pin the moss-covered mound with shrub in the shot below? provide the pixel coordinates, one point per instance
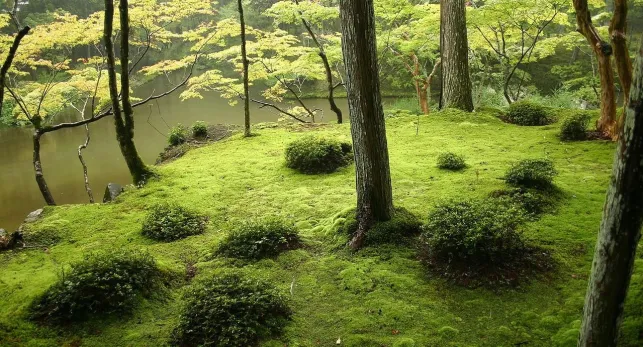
(259, 239)
(230, 310)
(451, 161)
(314, 155)
(178, 135)
(199, 129)
(574, 127)
(532, 202)
(402, 226)
(528, 113)
(170, 222)
(101, 284)
(478, 243)
(532, 173)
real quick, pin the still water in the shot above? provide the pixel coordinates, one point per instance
(19, 193)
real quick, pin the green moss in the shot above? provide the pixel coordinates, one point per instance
(238, 179)
(402, 225)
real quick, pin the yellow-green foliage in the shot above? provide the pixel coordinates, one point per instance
(242, 178)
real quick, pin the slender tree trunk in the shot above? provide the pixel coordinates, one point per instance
(603, 51)
(88, 189)
(373, 177)
(429, 79)
(620, 230)
(9, 60)
(37, 165)
(327, 68)
(618, 36)
(246, 63)
(456, 82)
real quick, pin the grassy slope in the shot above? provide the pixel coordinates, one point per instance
(378, 297)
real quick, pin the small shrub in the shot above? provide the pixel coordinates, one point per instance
(451, 161)
(313, 155)
(532, 202)
(170, 222)
(532, 173)
(199, 129)
(259, 239)
(178, 135)
(479, 243)
(468, 231)
(574, 127)
(402, 225)
(101, 284)
(528, 113)
(230, 310)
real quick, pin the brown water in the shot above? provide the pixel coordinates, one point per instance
(19, 193)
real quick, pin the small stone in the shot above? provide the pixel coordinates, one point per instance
(34, 216)
(112, 191)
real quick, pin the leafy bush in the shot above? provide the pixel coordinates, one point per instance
(402, 225)
(170, 222)
(100, 284)
(574, 127)
(533, 173)
(230, 310)
(313, 155)
(528, 113)
(259, 239)
(199, 129)
(451, 161)
(468, 231)
(532, 202)
(178, 135)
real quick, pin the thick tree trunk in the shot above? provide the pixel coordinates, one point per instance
(246, 63)
(37, 165)
(603, 52)
(456, 82)
(373, 177)
(9, 60)
(620, 230)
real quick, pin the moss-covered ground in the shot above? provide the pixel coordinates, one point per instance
(376, 297)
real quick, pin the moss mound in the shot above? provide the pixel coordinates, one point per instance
(478, 243)
(528, 113)
(314, 155)
(101, 284)
(574, 127)
(259, 239)
(230, 310)
(402, 226)
(170, 222)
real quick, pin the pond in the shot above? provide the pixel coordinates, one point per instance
(19, 193)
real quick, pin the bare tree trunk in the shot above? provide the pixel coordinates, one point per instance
(456, 82)
(88, 189)
(618, 36)
(429, 80)
(327, 68)
(620, 230)
(37, 165)
(9, 60)
(373, 177)
(603, 51)
(246, 63)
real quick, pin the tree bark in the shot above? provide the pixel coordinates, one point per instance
(618, 37)
(603, 51)
(373, 177)
(37, 165)
(620, 230)
(456, 82)
(246, 64)
(9, 60)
